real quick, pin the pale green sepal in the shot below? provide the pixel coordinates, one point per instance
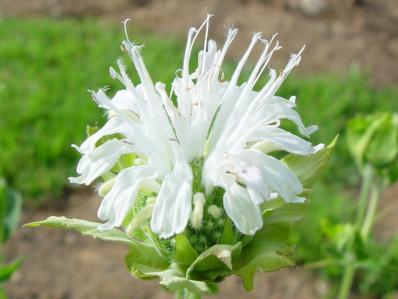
(174, 280)
(215, 262)
(308, 168)
(184, 253)
(85, 228)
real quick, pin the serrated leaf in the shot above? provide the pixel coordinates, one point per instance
(6, 271)
(85, 228)
(184, 254)
(309, 168)
(214, 262)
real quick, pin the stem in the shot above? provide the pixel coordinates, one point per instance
(364, 195)
(370, 214)
(349, 269)
(187, 294)
(346, 282)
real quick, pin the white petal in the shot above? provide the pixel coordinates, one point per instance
(100, 160)
(120, 198)
(276, 174)
(113, 126)
(173, 205)
(245, 214)
(282, 140)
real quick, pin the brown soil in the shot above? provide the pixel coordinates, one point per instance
(60, 264)
(344, 33)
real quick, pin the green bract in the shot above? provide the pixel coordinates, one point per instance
(196, 260)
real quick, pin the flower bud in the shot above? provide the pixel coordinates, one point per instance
(105, 187)
(214, 211)
(197, 213)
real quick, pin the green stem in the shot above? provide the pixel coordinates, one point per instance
(370, 214)
(187, 294)
(346, 282)
(349, 269)
(364, 195)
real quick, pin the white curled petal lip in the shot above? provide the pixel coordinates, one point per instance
(97, 162)
(270, 138)
(113, 126)
(244, 213)
(173, 205)
(120, 198)
(276, 174)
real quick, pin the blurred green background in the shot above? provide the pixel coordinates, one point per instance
(47, 66)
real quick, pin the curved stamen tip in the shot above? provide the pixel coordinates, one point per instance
(301, 50)
(125, 28)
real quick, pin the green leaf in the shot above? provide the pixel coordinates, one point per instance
(286, 214)
(268, 250)
(215, 262)
(7, 270)
(262, 255)
(174, 280)
(373, 139)
(309, 168)
(144, 259)
(86, 228)
(184, 254)
(228, 236)
(10, 211)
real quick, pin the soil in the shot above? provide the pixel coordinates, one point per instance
(339, 34)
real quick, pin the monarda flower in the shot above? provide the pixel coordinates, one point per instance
(193, 173)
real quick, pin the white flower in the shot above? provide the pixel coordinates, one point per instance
(232, 127)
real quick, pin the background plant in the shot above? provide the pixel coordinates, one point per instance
(10, 209)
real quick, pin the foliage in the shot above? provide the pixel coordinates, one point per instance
(10, 208)
(341, 241)
(180, 266)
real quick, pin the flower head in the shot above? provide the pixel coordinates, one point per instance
(206, 134)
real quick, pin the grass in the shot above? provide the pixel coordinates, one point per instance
(47, 66)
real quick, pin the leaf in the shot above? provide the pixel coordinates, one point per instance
(265, 256)
(10, 211)
(144, 259)
(174, 280)
(309, 168)
(228, 236)
(383, 147)
(184, 254)
(215, 262)
(86, 228)
(373, 139)
(268, 249)
(7, 270)
(287, 214)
